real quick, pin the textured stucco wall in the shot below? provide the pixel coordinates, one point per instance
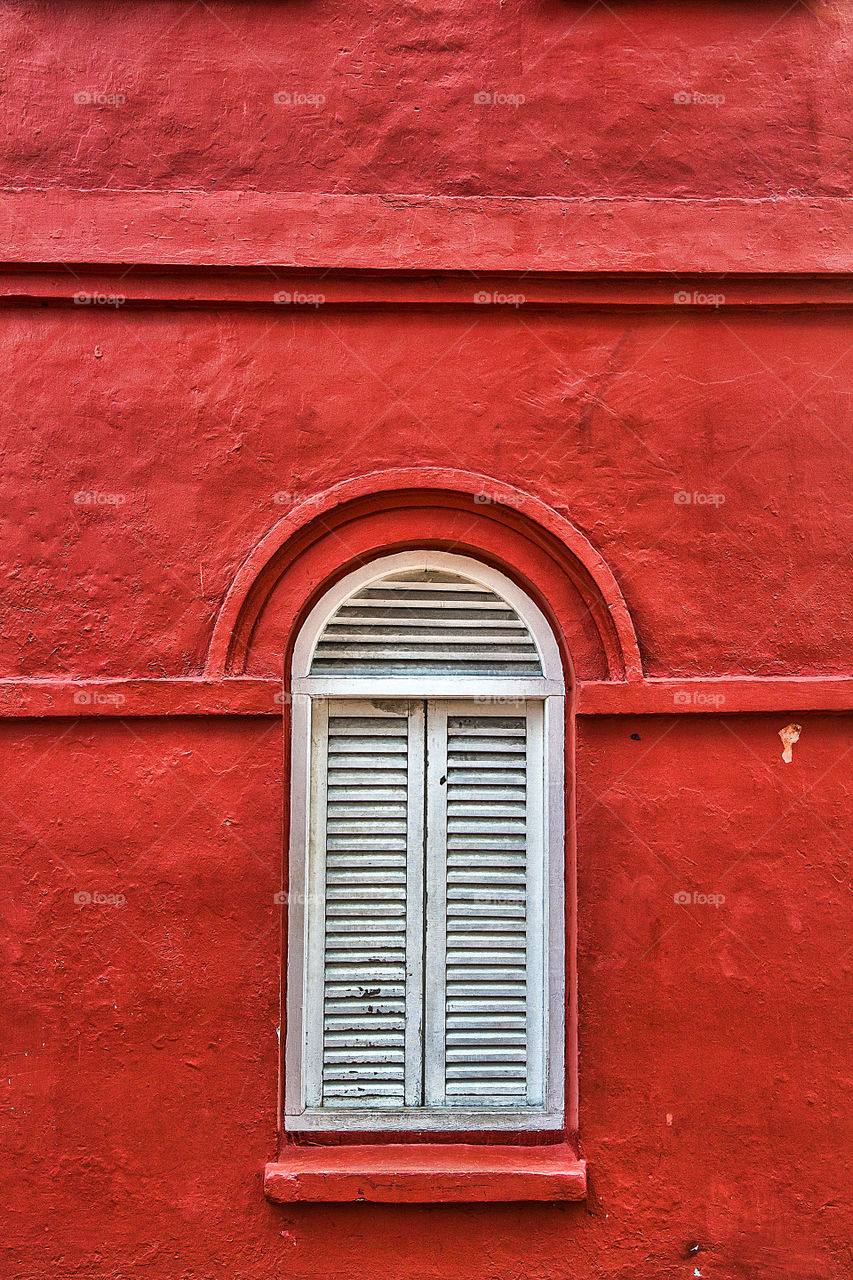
(206, 428)
(383, 97)
(142, 1045)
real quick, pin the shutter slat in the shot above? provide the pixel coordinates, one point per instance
(500, 860)
(366, 1009)
(358, 622)
(487, 1092)
(368, 955)
(357, 728)
(387, 778)
(471, 1037)
(473, 777)
(485, 942)
(351, 877)
(473, 733)
(504, 794)
(406, 637)
(493, 1005)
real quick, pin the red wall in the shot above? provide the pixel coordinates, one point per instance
(143, 1049)
(209, 427)
(599, 116)
(139, 1094)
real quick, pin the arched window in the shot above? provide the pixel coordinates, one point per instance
(425, 920)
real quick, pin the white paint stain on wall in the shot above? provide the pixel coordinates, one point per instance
(789, 735)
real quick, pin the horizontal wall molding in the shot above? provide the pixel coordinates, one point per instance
(241, 696)
(235, 696)
(113, 290)
(413, 232)
(723, 695)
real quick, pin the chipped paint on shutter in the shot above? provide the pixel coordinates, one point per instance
(486, 929)
(366, 890)
(484, 1025)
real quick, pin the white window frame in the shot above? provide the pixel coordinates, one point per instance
(311, 698)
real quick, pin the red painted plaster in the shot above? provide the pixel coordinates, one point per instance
(196, 431)
(236, 229)
(446, 1173)
(141, 1037)
(322, 538)
(373, 99)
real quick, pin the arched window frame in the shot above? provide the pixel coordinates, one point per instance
(309, 693)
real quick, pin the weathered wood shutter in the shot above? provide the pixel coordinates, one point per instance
(463, 888)
(484, 927)
(369, 807)
(426, 622)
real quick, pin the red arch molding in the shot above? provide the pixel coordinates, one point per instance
(318, 515)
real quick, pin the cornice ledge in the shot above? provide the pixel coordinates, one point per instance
(243, 229)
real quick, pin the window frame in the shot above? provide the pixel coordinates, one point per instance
(310, 700)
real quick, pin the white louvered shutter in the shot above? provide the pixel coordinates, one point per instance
(427, 984)
(369, 831)
(426, 622)
(485, 993)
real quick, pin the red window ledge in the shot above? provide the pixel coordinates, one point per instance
(416, 1174)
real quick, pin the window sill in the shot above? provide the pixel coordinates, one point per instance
(424, 1174)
